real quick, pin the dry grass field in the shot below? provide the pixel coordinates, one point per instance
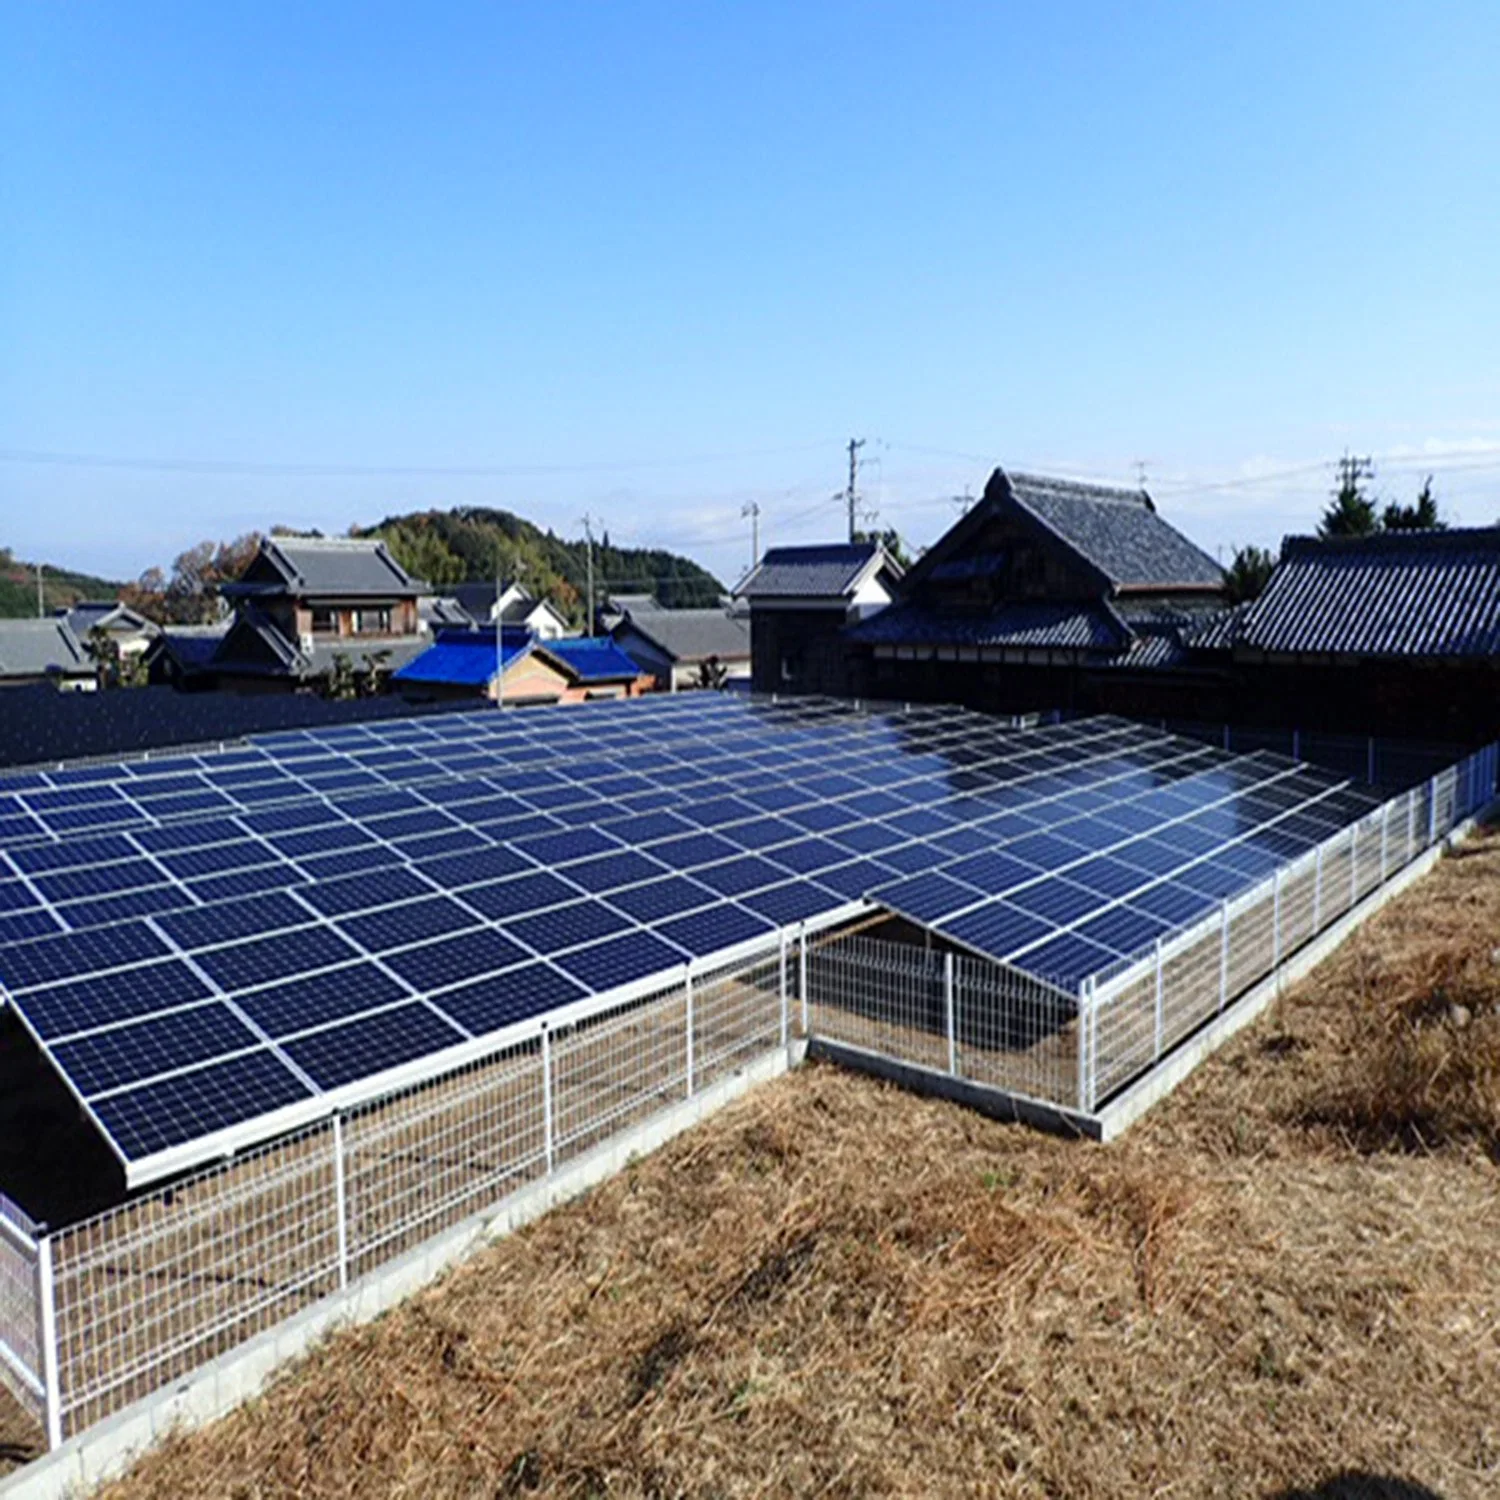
(1283, 1282)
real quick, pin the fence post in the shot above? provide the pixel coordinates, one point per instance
(548, 1146)
(1432, 835)
(785, 1006)
(1276, 925)
(1370, 762)
(687, 989)
(1083, 1049)
(46, 1286)
(948, 1014)
(341, 1200)
(1317, 921)
(1093, 1020)
(1353, 867)
(1161, 1020)
(1385, 830)
(802, 980)
(1223, 954)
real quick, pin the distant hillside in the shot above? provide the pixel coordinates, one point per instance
(59, 587)
(461, 546)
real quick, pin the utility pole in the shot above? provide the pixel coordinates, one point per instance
(855, 444)
(751, 508)
(39, 610)
(588, 531)
(499, 639)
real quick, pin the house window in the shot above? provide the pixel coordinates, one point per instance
(373, 621)
(324, 621)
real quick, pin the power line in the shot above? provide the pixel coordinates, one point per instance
(379, 471)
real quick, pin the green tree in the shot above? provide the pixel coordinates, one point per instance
(1352, 512)
(890, 539)
(114, 668)
(1248, 573)
(1420, 515)
(713, 675)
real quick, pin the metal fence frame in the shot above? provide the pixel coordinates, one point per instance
(105, 1311)
(1069, 1050)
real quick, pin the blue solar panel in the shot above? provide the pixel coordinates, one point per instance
(371, 1044)
(927, 898)
(715, 928)
(736, 876)
(797, 901)
(260, 960)
(808, 856)
(1056, 900)
(566, 926)
(610, 872)
(996, 928)
(693, 850)
(15, 926)
(215, 859)
(620, 960)
(1068, 959)
(208, 925)
(505, 999)
(519, 894)
(454, 959)
(115, 1059)
(993, 874)
(1123, 929)
(575, 843)
(190, 1106)
(410, 922)
(320, 840)
(361, 892)
(46, 959)
(297, 1004)
(78, 1005)
(75, 853)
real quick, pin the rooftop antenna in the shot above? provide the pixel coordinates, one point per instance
(855, 444)
(1140, 473)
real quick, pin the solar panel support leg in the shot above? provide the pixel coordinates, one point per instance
(1370, 762)
(1432, 794)
(46, 1287)
(548, 1146)
(1161, 1019)
(340, 1201)
(949, 1017)
(687, 992)
(1317, 920)
(1276, 928)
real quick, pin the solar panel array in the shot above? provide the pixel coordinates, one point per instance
(208, 940)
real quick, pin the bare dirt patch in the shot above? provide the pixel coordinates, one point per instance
(1282, 1282)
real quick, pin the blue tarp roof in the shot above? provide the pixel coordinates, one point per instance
(464, 658)
(592, 658)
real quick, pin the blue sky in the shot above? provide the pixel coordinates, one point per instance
(307, 264)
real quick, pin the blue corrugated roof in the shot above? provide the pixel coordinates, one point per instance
(592, 658)
(1424, 594)
(463, 658)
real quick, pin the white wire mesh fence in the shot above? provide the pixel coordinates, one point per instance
(153, 1289)
(21, 1334)
(1032, 1040)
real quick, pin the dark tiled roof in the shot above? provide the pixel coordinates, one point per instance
(687, 635)
(444, 611)
(1158, 648)
(1118, 531)
(333, 568)
(1215, 632)
(1066, 627)
(827, 572)
(1423, 594)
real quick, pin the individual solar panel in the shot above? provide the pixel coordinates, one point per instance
(736, 876)
(796, 901)
(47, 959)
(263, 959)
(362, 892)
(102, 1061)
(1067, 959)
(79, 1005)
(566, 926)
(410, 922)
(1123, 929)
(608, 872)
(1055, 900)
(620, 960)
(715, 928)
(559, 848)
(506, 999)
(77, 853)
(458, 870)
(693, 850)
(996, 928)
(519, 894)
(453, 959)
(857, 878)
(190, 1106)
(318, 999)
(808, 856)
(372, 1044)
(1173, 902)
(658, 899)
(992, 873)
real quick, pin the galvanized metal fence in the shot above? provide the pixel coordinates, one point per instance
(107, 1310)
(1073, 1049)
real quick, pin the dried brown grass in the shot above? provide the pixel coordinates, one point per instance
(834, 1288)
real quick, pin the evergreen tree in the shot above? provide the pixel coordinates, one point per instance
(1421, 515)
(1248, 573)
(1352, 512)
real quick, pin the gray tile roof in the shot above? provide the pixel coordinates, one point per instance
(1116, 530)
(443, 612)
(687, 635)
(823, 572)
(32, 648)
(327, 567)
(1063, 627)
(1400, 594)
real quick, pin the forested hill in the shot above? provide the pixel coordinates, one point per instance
(60, 587)
(466, 545)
